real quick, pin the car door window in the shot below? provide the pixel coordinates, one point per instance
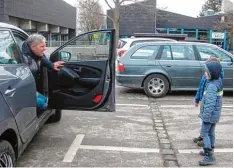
(207, 52)
(145, 52)
(166, 54)
(9, 53)
(182, 52)
(92, 46)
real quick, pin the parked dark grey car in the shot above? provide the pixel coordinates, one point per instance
(162, 66)
(85, 82)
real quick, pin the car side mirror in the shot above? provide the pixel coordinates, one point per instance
(64, 56)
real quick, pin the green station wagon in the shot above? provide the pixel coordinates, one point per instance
(159, 67)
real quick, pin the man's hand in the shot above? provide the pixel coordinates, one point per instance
(58, 64)
(196, 104)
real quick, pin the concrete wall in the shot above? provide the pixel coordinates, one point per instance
(55, 12)
(3, 17)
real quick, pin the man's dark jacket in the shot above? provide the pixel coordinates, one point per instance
(35, 61)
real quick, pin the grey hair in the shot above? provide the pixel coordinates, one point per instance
(35, 39)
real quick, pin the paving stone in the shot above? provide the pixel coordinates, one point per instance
(170, 164)
(167, 151)
(159, 125)
(162, 135)
(164, 141)
(158, 117)
(161, 131)
(165, 146)
(169, 158)
(158, 121)
(159, 128)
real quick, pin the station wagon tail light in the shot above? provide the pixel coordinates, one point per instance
(121, 67)
(122, 52)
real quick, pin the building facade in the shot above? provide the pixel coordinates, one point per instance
(55, 19)
(135, 19)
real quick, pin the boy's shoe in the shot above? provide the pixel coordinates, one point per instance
(202, 152)
(197, 139)
(200, 143)
(208, 159)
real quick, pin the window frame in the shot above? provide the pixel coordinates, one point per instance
(19, 58)
(182, 45)
(162, 49)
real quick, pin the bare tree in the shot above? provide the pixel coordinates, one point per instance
(87, 18)
(119, 6)
(115, 6)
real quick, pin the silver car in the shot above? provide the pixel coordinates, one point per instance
(159, 67)
(85, 82)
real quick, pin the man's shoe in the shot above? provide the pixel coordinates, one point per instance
(200, 144)
(197, 139)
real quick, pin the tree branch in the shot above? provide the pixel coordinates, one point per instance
(122, 1)
(108, 4)
(105, 16)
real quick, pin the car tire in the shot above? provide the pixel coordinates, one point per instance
(161, 88)
(6, 152)
(55, 117)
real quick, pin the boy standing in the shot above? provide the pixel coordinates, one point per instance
(198, 98)
(210, 110)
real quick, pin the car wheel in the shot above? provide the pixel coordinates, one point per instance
(55, 117)
(7, 154)
(156, 86)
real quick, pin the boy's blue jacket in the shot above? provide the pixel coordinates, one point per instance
(211, 106)
(202, 86)
(212, 101)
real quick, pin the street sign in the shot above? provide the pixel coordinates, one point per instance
(217, 35)
(95, 36)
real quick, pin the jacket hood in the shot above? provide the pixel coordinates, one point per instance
(213, 69)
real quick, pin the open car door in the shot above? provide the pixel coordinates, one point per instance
(87, 79)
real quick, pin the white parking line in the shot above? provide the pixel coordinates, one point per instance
(133, 105)
(124, 149)
(77, 145)
(224, 150)
(73, 148)
(188, 106)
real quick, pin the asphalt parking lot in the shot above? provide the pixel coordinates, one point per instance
(143, 132)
